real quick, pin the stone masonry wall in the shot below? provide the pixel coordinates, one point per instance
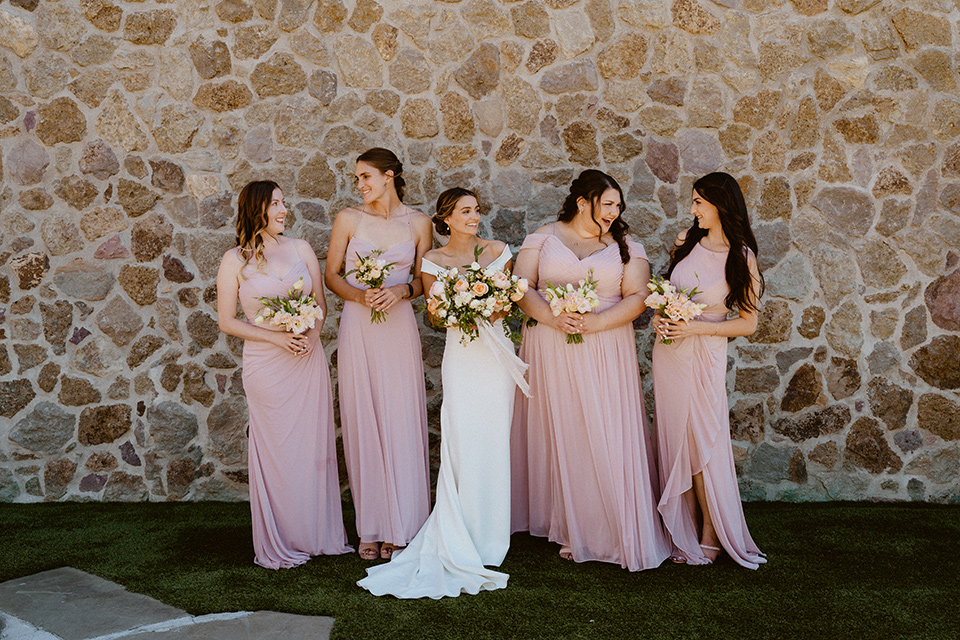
(126, 129)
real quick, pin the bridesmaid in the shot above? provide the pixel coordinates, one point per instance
(294, 487)
(583, 472)
(383, 412)
(700, 503)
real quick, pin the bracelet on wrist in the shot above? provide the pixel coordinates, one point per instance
(409, 290)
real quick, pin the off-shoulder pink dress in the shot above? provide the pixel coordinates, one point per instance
(383, 412)
(294, 488)
(583, 471)
(693, 424)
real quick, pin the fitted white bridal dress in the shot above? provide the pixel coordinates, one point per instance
(470, 523)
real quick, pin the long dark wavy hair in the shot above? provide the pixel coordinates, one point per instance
(385, 160)
(590, 186)
(252, 206)
(722, 191)
(446, 204)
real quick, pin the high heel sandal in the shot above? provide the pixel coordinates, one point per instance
(709, 559)
(369, 550)
(566, 552)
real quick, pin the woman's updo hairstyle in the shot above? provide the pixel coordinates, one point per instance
(590, 186)
(446, 205)
(385, 160)
(252, 206)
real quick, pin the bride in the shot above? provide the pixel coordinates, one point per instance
(470, 523)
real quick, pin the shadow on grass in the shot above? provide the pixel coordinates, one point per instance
(835, 570)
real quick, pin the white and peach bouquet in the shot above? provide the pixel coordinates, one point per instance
(295, 313)
(462, 300)
(675, 303)
(372, 270)
(569, 299)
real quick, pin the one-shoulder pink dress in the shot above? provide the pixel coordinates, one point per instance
(693, 423)
(383, 407)
(583, 471)
(292, 457)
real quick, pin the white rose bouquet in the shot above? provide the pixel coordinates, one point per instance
(372, 271)
(462, 300)
(295, 313)
(672, 302)
(570, 299)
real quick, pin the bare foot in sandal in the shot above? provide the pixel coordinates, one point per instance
(369, 550)
(388, 549)
(566, 552)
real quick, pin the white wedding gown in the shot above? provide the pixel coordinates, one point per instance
(470, 523)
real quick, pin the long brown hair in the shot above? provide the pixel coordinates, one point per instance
(252, 206)
(590, 186)
(722, 191)
(384, 160)
(446, 203)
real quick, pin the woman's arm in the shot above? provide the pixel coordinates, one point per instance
(389, 296)
(633, 288)
(336, 255)
(228, 291)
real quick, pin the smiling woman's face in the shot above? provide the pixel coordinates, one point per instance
(371, 181)
(276, 213)
(706, 214)
(606, 210)
(465, 217)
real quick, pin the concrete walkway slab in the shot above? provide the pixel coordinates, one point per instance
(75, 605)
(67, 604)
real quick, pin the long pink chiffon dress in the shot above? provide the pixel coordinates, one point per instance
(583, 472)
(693, 424)
(383, 408)
(292, 456)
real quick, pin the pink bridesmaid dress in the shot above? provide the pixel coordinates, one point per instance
(383, 409)
(294, 488)
(583, 473)
(693, 424)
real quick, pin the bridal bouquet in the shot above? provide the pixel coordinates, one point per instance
(672, 302)
(297, 312)
(462, 300)
(372, 271)
(581, 299)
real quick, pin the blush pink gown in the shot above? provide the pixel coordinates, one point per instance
(383, 412)
(693, 424)
(294, 488)
(583, 472)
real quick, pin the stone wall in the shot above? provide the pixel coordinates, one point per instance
(126, 129)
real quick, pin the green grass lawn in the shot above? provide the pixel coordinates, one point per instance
(854, 571)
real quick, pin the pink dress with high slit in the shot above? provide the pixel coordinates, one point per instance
(383, 412)
(582, 465)
(693, 424)
(292, 456)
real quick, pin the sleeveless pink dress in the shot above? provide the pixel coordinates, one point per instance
(383, 409)
(693, 423)
(294, 488)
(581, 456)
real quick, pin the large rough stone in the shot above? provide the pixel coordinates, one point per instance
(151, 237)
(846, 210)
(60, 235)
(203, 329)
(522, 105)
(580, 75)
(280, 75)
(700, 152)
(178, 125)
(253, 41)
(316, 180)
(844, 330)
(409, 72)
(939, 415)
(195, 386)
(30, 269)
(46, 429)
(76, 191)
(76, 392)
(36, 199)
(140, 283)
(221, 97)
(623, 58)
(757, 380)
(172, 426)
(758, 110)
(866, 448)
(27, 162)
(45, 75)
(843, 378)
(919, 28)
(580, 140)
(818, 423)
(771, 464)
(149, 27)
(746, 421)
(914, 329)
(57, 475)
(61, 120)
(937, 362)
(690, 15)
(880, 265)
(480, 73)
(942, 297)
(803, 390)
(29, 356)
(57, 318)
(124, 487)
(119, 321)
(15, 395)
(890, 403)
(419, 118)
(769, 153)
(458, 125)
(17, 34)
(104, 424)
(167, 175)
(359, 62)
(211, 58)
(621, 148)
(142, 349)
(663, 158)
(775, 321)
(118, 125)
(99, 160)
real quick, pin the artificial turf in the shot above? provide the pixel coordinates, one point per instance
(836, 570)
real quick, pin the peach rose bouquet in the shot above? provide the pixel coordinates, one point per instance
(570, 299)
(295, 313)
(672, 302)
(461, 300)
(372, 270)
